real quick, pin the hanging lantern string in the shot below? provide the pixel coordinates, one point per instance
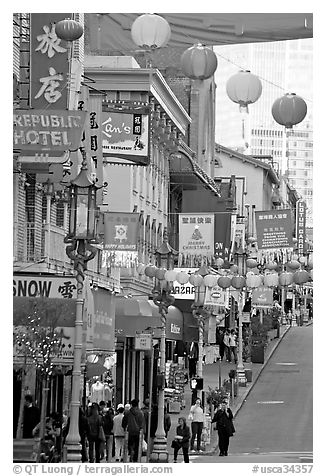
(260, 77)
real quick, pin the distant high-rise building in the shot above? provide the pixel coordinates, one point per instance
(282, 66)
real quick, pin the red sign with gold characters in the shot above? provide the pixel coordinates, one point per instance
(49, 65)
(125, 133)
(274, 229)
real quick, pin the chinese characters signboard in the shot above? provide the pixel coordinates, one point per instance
(274, 229)
(125, 134)
(196, 234)
(262, 297)
(41, 131)
(301, 226)
(49, 65)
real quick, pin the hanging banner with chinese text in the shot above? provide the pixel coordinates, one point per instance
(301, 226)
(49, 63)
(274, 229)
(196, 238)
(125, 133)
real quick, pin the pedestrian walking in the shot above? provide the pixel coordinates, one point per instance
(167, 422)
(181, 440)
(119, 433)
(133, 421)
(196, 416)
(108, 427)
(31, 417)
(95, 431)
(224, 425)
(220, 343)
(233, 345)
(226, 341)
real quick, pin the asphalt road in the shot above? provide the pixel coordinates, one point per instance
(276, 421)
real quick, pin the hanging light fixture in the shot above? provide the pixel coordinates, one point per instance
(69, 30)
(244, 88)
(289, 110)
(150, 31)
(198, 62)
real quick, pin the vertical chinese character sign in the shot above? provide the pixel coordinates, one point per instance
(196, 238)
(301, 226)
(49, 65)
(120, 239)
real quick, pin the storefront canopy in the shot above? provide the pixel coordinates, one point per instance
(134, 316)
(111, 31)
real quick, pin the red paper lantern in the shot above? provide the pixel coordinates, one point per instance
(293, 265)
(301, 276)
(238, 282)
(271, 266)
(69, 30)
(196, 280)
(150, 31)
(244, 88)
(198, 62)
(289, 110)
(224, 282)
(251, 263)
(150, 270)
(160, 273)
(285, 278)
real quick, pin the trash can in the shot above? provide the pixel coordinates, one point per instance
(248, 373)
(257, 354)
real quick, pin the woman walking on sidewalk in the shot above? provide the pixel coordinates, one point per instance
(181, 440)
(196, 416)
(224, 425)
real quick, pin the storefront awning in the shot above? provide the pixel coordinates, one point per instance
(134, 316)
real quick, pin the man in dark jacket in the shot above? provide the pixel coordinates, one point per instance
(224, 426)
(133, 421)
(31, 417)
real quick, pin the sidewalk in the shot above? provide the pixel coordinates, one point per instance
(210, 375)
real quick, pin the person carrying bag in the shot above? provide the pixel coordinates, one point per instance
(181, 440)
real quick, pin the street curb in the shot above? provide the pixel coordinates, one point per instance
(211, 452)
(245, 395)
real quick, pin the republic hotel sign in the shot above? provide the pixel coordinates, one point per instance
(36, 130)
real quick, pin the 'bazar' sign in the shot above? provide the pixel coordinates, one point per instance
(37, 130)
(45, 286)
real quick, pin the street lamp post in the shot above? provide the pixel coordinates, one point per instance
(162, 298)
(80, 238)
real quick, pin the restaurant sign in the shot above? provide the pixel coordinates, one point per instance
(51, 131)
(301, 226)
(274, 229)
(125, 134)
